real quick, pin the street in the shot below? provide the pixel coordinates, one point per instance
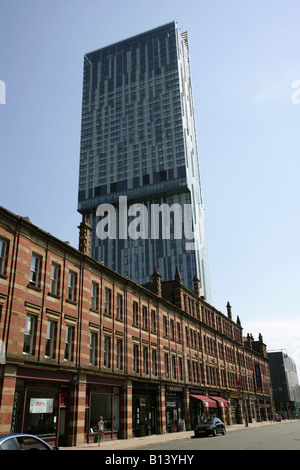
(280, 436)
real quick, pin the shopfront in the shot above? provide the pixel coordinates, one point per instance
(174, 411)
(201, 406)
(41, 405)
(223, 408)
(103, 399)
(144, 406)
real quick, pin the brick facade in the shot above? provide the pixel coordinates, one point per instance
(92, 340)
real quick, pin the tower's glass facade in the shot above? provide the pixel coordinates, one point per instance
(138, 140)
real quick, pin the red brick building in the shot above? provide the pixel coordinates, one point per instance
(79, 341)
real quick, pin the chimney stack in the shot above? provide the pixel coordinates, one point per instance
(156, 282)
(196, 286)
(85, 230)
(229, 314)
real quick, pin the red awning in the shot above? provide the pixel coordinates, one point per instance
(207, 402)
(221, 401)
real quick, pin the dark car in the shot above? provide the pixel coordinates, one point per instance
(211, 426)
(23, 442)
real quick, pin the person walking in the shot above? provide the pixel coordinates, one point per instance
(100, 431)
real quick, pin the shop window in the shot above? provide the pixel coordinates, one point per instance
(36, 411)
(107, 406)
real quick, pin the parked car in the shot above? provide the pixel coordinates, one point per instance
(278, 418)
(211, 426)
(23, 442)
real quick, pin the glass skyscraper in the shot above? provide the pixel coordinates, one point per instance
(138, 143)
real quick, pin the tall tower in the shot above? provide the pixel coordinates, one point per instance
(138, 145)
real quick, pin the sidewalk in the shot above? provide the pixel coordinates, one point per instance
(136, 442)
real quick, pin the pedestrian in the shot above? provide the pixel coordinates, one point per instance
(100, 431)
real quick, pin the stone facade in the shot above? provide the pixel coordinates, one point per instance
(80, 340)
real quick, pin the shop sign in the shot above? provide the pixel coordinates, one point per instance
(174, 389)
(41, 405)
(171, 404)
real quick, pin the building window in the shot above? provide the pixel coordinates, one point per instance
(135, 313)
(107, 295)
(145, 320)
(69, 343)
(154, 362)
(93, 346)
(94, 296)
(174, 372)
(145, 360)
(106, 360)
(3, 252)
(153, 321)
(165, 327)
(178, 332)
(119, 307)
(72, 287)
(180, 368)
(29, 335)
(167, 365)
(50, 339)
(172, 332)
(135, 358)
(119, 364)
(54, 279)
(35, 271)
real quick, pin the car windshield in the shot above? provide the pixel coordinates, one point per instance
(210, 421)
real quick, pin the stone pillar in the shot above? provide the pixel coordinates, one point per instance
(7, 394)
(257, 409)
(77, 411)
(126, 411)
(186, 410)
(161, 410)
(249, 410)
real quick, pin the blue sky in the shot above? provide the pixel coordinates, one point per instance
(244, 60)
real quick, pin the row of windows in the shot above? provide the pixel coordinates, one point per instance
(141, 318)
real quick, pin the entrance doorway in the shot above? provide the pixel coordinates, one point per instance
(144, 415)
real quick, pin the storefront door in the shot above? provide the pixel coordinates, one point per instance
(144, 415)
